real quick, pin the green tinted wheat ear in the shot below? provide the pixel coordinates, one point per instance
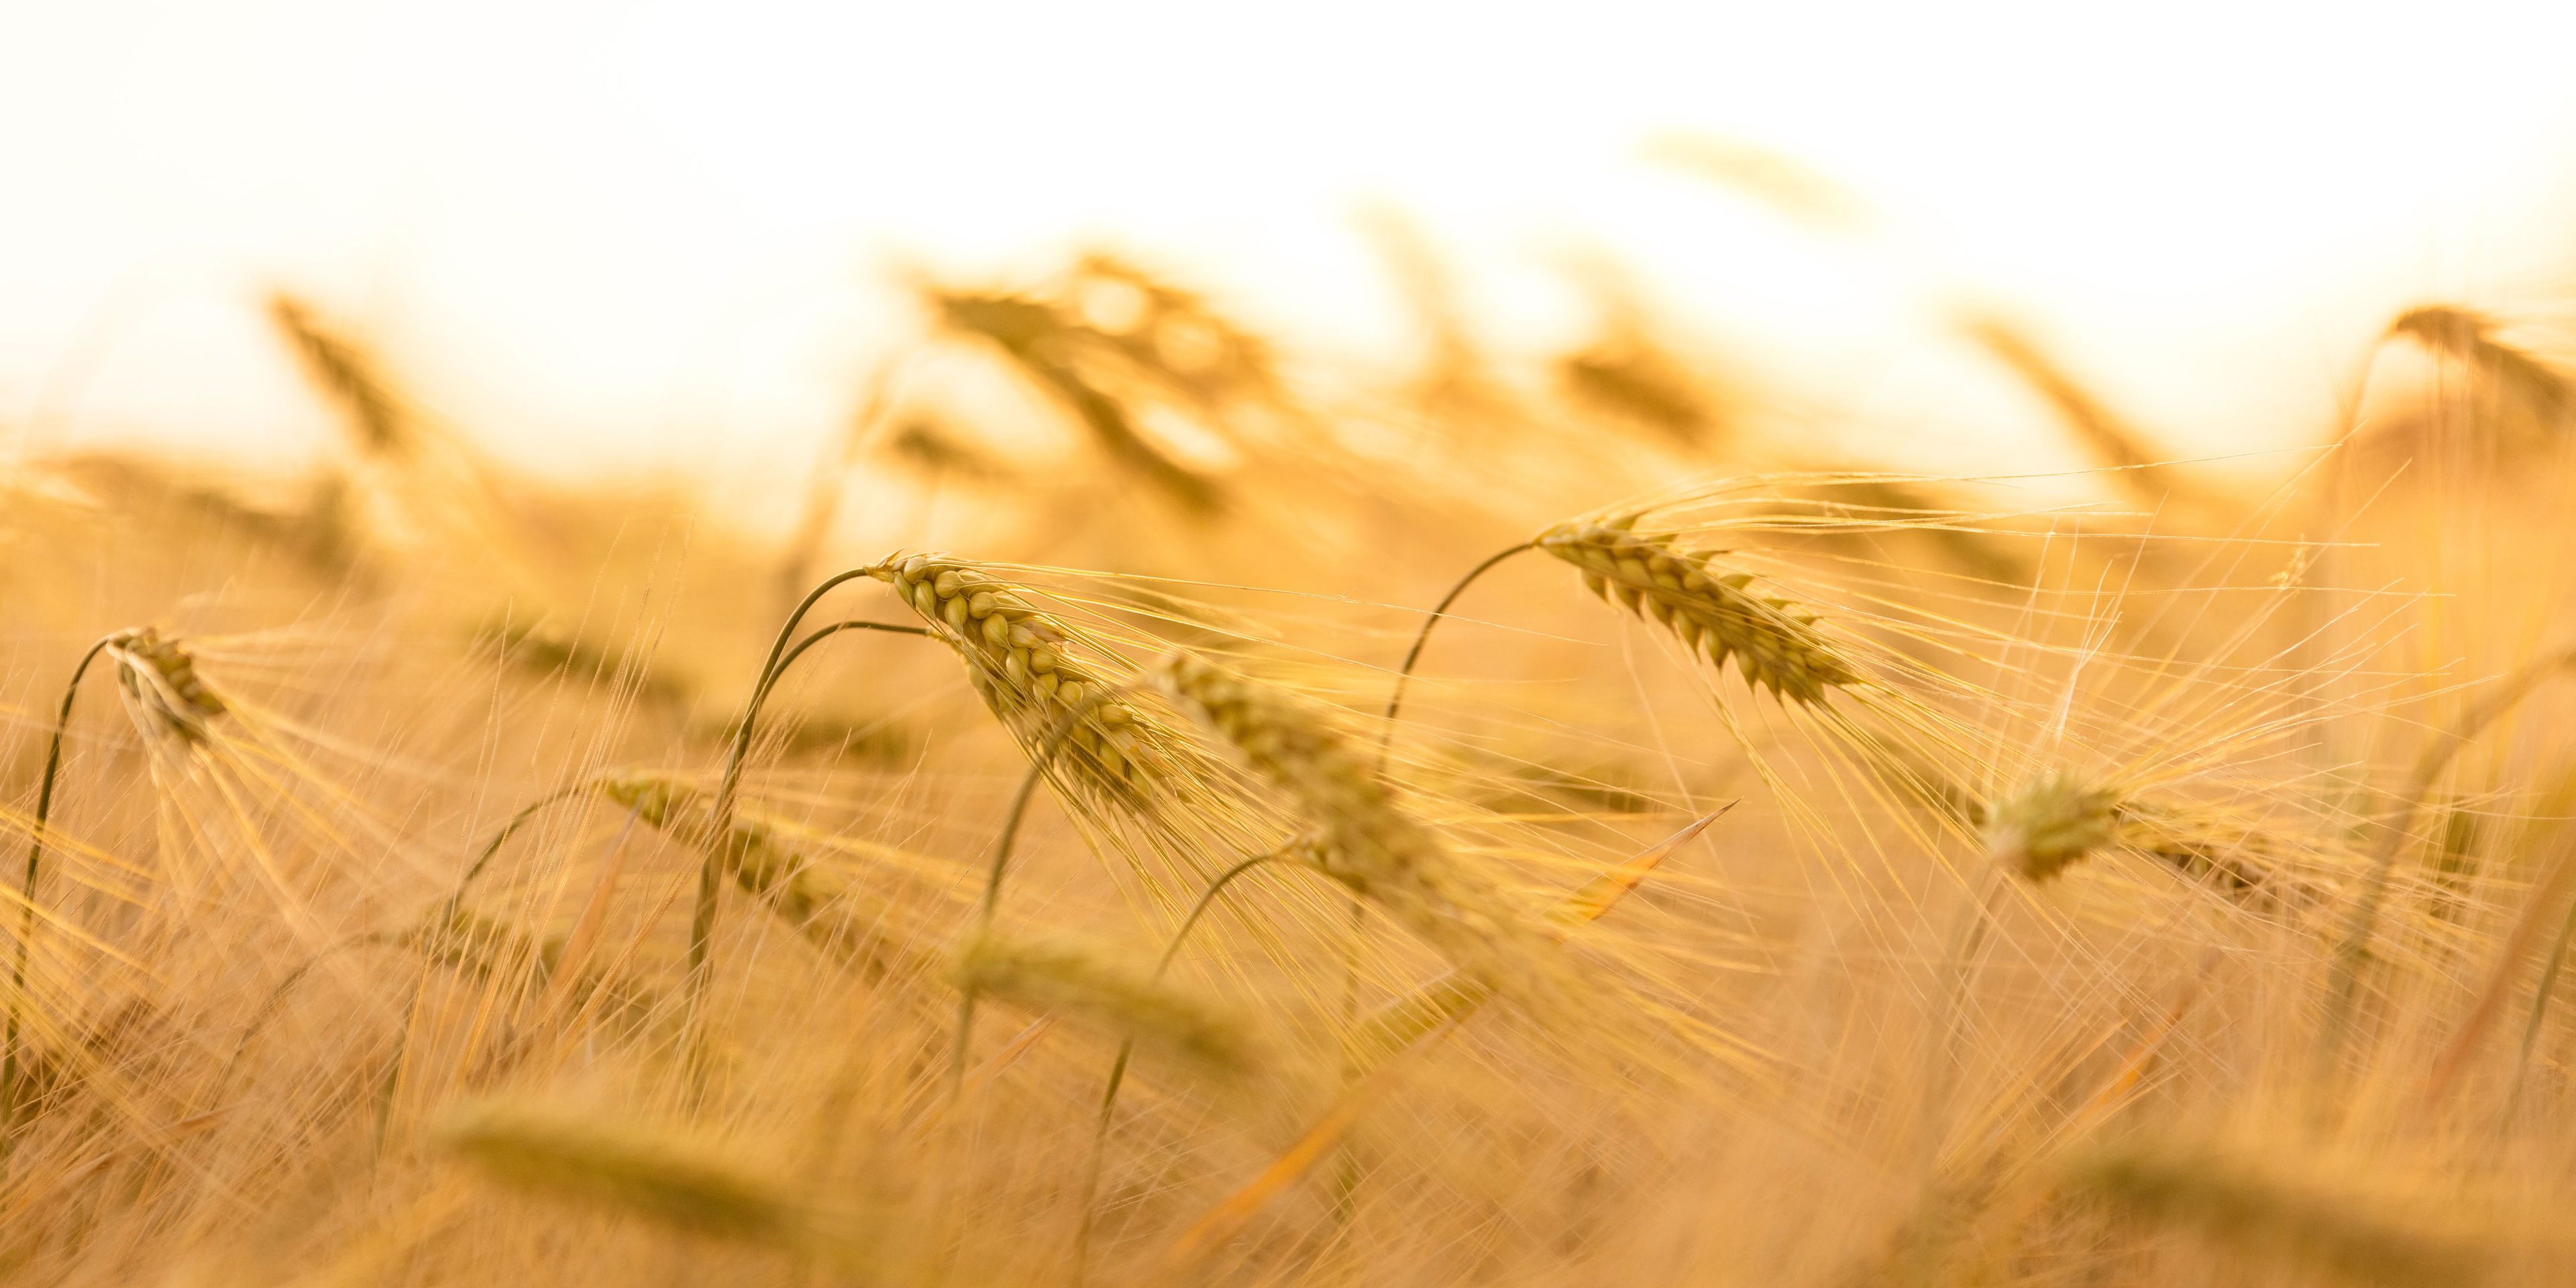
(1095, 986)
(675, 1181)
(2042, 827)
(2294, 1220)
(1029, 666)
(1774, 643)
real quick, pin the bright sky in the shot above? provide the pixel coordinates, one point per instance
(658, 234)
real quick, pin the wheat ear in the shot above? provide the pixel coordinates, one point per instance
(1028, 666)
(1774, 643)
(1066, 976)
(1363, 839)
(2054, 820)
(2225, 1198)
(1056, 741)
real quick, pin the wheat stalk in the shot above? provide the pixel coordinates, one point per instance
(1065, 976)
(783, 653)
(1295, 853)
(2362, 919)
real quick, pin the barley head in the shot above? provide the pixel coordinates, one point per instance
(671, 1181)
(1774, 642)
(1029, 666)
(1094, 985)
(2049, 823)
(161, 677)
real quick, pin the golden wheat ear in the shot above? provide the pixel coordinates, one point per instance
(1773, 642)
(2468, 337)
(1100, 988)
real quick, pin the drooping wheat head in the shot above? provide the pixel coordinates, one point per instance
(669, 1179)
(2297, 1218)
(1041, 676)
(161, 678)
(1775, 643)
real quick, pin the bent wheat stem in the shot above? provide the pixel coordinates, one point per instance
(2354, 945)
(501, 836)
(1357, 940)
(268, 1006)
(1127, 1048)
(702, 917)
(823, 633)
(27, 898)
(2539, 1011)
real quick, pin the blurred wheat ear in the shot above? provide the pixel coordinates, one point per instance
(1366, 840)
(1100, 987)
(2104, 435)
(2266, 1211)
(2468, 337)
(680, 1181)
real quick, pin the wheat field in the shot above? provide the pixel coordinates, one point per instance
(1168, 814)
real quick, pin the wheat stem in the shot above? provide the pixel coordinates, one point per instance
(268, 1006)
(2354, 945)
(27, 895)
(1127, 1048)
(1404, 673)
(1357, 941)
(823, 633)
(1056, 739)
(2539, 1010)
(501, 836)
(702, 917)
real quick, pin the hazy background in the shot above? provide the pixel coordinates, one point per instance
(655, 238)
